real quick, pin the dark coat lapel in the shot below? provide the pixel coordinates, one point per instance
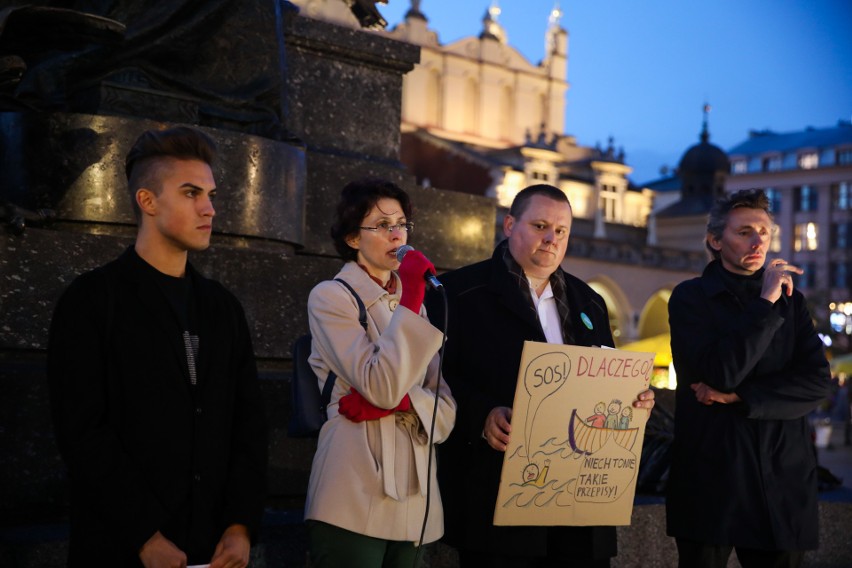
(582, 300)
(503, 284)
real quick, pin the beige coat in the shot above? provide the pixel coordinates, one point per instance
(370, 477)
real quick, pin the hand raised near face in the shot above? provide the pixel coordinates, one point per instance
(778, 280)
(414, 265)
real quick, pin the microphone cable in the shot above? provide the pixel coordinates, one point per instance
(419, 552)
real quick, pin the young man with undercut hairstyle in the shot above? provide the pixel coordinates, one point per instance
(155, 400)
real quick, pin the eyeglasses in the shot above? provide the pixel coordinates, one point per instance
(388, 228)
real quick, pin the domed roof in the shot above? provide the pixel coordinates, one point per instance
(703, 158)
(702, 172)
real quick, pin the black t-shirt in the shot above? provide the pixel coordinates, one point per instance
(178, 293)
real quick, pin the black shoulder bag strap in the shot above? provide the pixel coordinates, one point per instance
(332, 377)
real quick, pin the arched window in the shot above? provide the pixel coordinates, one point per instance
(654, 319)
(612, 307)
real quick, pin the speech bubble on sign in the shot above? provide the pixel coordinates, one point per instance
(544, 375)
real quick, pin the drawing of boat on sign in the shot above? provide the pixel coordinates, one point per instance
(586, 440)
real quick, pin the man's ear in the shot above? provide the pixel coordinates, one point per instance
(508, 224)
(146, 200)
(713, 242)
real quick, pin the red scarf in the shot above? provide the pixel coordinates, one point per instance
(390, 287)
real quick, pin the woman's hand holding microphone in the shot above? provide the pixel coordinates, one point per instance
(411, 272)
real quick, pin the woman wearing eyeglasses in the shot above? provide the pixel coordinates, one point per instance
(368, 488)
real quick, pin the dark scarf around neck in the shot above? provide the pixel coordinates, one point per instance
(557, 284)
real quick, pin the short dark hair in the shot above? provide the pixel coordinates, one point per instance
(522, 199)
(717, 220)
(142, 165)
(356, 201)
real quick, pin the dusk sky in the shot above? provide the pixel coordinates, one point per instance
(640, 71)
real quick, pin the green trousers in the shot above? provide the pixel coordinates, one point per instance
(334, 547)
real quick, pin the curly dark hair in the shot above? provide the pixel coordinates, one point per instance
(356, 201)
(717, 219)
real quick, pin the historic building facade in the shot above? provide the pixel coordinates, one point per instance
(478, 117)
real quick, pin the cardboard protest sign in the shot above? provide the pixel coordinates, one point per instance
(576, 439)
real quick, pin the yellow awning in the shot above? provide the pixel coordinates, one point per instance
(659, 344)
(842, 364)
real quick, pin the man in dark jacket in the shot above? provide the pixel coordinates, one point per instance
(520, 294)
(154, 393)
(750, 367)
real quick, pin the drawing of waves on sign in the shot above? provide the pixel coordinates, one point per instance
(563, 449)
(559, 448)
(531, 496)
(549, 448)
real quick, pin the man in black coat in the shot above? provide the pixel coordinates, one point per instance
(750, 367)
(520, 294)
(156, 406)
